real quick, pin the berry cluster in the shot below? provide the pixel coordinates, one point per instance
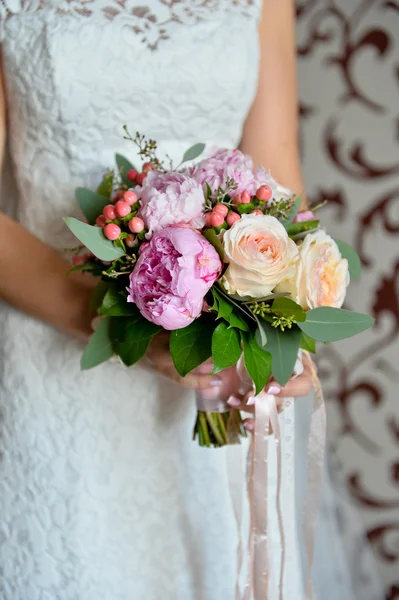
(227, 213)
(123, 210)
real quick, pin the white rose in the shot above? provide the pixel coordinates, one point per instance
(260, 256)
(322, 275)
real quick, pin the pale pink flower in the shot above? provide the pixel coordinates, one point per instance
(169, 199)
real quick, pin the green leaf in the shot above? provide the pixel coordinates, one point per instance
(124, 166)
(308, 343)
(303, 234)
(295, 228)
(132, 336)
(191, 346)
(105, 187)
(193, 152)
(99, 349)
(355, 266)
(283, 346)
(98, 294)
(208, 188)
(226, 347)
(224, 307)
(213, 239)
(294, 210)
(285, 307)
(226, 310)
(91, 204)
(328, 324)
(257, 361)
(115, 304)
(237, 321)
(94, 240)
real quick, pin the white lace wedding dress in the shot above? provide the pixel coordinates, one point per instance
(103, 494)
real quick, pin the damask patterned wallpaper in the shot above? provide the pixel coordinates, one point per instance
(349, 90)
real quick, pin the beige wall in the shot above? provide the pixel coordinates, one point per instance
(349, 91)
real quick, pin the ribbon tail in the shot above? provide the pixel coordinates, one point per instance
(234, 464)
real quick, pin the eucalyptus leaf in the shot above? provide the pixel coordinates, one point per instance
(283, 346)
(132, 336)
(354, 264)
(193, 152)
(90, 203)
(99, 349)
(213, 239)
(124, 166)
(105, 187)
(94, 240)
(328, 324)
(293, 211)
(285, 307)
(192, 345)
(98, 294)
(115, 304)
(308, 343)
(258, 362)
(226, 347)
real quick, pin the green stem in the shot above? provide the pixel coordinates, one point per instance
(204, 428)
(215, 430)
(222, 427)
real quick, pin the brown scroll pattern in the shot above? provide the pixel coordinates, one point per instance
(348, 54)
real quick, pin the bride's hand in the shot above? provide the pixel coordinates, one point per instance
(159, 359)
(295, 388)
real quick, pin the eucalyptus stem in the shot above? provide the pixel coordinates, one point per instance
(204, 429)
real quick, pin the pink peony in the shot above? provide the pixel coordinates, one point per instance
(172, 276)
(231, 164)
(304, 215)
(170, 199)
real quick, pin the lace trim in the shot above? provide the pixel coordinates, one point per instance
(150, 25)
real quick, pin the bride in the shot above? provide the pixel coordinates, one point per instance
(103, 494)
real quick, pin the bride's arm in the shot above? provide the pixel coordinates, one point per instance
(33, 277)
(271, 130)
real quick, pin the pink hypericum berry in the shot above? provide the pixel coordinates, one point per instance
(132, 174)
(112, 231)
(118, 196)
(100, 221)
(109, 212)
(122, 208)
(130, 197)
(256, 212)
(147, 167)
(237, 199)
(245, 197)
(140, 178)
(136, 225)
(130, 240)
(231, 218)
(216, 219)
(221, 209)
(264, 193)
(208, 216)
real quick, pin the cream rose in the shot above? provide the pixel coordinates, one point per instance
(260, 256)
(322, 275)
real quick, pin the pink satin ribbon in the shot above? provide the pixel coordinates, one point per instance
(259, 564)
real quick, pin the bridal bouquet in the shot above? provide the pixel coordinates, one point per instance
(219, 255)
